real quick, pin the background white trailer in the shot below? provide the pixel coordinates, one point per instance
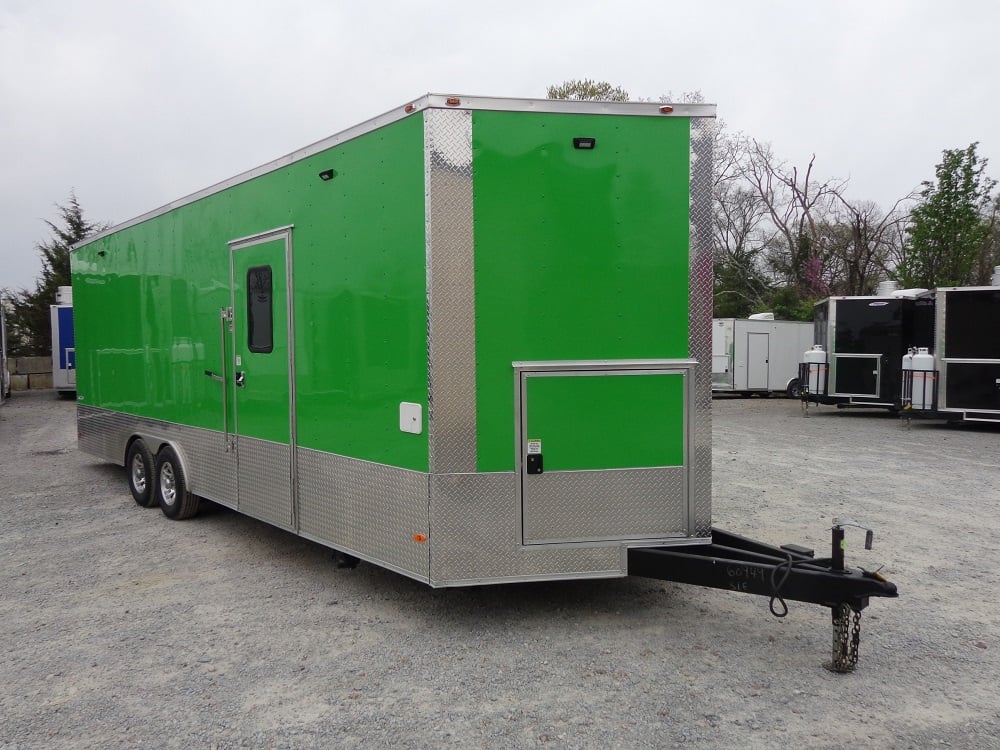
(63, 342)
(4, 371)
(758, 355)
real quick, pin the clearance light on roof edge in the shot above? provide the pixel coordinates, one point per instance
(409, 108)
(453, 101)
(666, 109)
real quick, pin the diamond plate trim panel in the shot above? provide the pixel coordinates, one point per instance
(103, 433)
(369, 510)
(451, 327)
(475, 528)
(211, 471)
(605, 505)
(703, 132)
(265, 480)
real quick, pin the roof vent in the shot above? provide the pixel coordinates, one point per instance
(886, 288)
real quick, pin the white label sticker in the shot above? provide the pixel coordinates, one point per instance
(534, 447)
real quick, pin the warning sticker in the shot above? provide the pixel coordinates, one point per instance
(534, 447)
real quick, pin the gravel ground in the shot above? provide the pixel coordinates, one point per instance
(122, 629)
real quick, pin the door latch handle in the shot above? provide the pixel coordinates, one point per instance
(240, 378)
(534, 463)
(213, 376)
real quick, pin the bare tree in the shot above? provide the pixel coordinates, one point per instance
(741, 236)
(868, 241)
(797, 206)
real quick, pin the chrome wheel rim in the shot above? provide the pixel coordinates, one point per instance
(168, 484)
(139, 474)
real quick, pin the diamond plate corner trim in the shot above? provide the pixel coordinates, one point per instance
(451, 328)
(102, 433)
(703, 132)
(372, 510)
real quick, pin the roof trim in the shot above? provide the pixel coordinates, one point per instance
(428, 101)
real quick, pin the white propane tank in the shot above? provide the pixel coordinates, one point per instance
(923, 378)
(995, 280)
(908, 359)
(907, 367)
(886, 288)
(816, 359)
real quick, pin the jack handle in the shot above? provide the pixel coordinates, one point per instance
(838, 545)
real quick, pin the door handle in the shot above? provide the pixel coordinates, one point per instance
(240, 378)
(213, 376)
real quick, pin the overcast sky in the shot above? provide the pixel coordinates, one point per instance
(135, 104)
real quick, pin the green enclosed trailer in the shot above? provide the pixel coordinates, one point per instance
(468, 340)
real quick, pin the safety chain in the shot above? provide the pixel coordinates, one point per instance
(845, 639)
(855, 640)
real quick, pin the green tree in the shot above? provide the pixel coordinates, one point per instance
(989, 256)
(787, 303)
(739, 288)
(587, 90)
(950, 226)
(29, 323)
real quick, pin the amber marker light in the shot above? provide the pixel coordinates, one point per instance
(420, 537)
(453, 101)
(666, 110)
(409, 108)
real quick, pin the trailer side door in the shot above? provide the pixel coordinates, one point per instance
(758, 353)
(604, 453)
(261, 383)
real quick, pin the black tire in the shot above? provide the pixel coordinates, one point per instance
(171, 487)
(141, 473)
(793, 390)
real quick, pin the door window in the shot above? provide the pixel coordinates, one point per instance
(260, 318)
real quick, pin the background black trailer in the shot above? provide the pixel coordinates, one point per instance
(962, 382)
(864, 339)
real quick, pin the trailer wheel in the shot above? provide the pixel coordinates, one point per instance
(171, 486)
(793, 390)
(141, 476)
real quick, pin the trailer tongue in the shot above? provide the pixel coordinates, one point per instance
(790, 572)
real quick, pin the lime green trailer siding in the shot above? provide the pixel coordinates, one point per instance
(580, 254)
(150, 295)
